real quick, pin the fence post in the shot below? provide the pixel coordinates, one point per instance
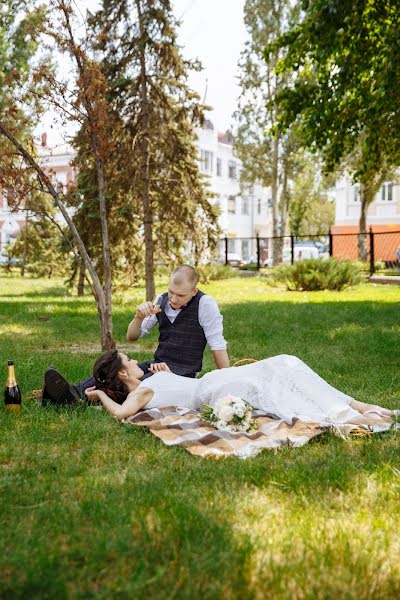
(291, 248)
(330, 242)
(371, 252)
(258, 252)
(226, 250)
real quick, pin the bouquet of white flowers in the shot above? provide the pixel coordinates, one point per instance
(230, 413)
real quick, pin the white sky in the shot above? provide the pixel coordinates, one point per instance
(212, 31)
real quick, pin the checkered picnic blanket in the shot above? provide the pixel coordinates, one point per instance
(185, 428)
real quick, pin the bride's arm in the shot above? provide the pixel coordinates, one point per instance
(134, 402)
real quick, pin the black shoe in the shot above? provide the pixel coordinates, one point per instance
(57, 390)
(45, 395)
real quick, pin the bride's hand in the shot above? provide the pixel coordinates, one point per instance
(158, 367)
(92, 393)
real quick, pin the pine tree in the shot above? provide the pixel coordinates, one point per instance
(158, 114)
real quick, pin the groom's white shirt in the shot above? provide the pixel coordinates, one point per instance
(210, 320)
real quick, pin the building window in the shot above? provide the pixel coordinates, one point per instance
(232, 205)
(259, 206)
(387, 192)
(231, 245)
(269, 202)
(232, 169)
(206, 161)
(356, 194)
(245, 206)
(219, 167)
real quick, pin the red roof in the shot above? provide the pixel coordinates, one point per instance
(226, 138)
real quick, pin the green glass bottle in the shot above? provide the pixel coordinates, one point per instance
(12, 393)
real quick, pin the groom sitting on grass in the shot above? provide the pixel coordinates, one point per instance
(188, 320)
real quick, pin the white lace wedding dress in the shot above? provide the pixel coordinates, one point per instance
(282, 385)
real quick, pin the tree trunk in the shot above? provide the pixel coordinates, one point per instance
(145, 174)
(103, 296)
(276, 233)
(368, 189)
(81, 281)
(284, 204)
(25, 257)
(362, 236)
(107, 342)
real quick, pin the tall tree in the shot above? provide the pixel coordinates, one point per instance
(311, 210)
(346, 93)
(39, 245)
(19, 39)
(158, 111)
(86, 104)
(267, 155)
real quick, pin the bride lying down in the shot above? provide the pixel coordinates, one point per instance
(282, 385)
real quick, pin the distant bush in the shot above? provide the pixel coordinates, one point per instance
(314, 274)
(215, 272)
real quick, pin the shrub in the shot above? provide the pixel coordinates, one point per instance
(215, 272)
(314, 274)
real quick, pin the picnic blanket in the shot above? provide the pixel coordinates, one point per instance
(184, 427)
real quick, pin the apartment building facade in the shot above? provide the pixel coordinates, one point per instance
(245, 211)
(383, 218)
(57, 164)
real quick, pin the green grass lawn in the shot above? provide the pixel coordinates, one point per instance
(94, 509)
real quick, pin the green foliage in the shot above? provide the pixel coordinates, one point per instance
(179, 208)
(344, 58)
(311, 211)
(41, 245)
(267, 155)
(20, 22)
(215, 272)
(315, 274)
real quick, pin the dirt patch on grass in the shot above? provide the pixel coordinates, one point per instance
(95, 348)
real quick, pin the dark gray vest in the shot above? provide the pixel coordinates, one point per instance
(181, 344)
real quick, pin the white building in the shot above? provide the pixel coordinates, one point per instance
(383, 213)
(383, 218)
(56, 162)
(245, 211)
(10, 223)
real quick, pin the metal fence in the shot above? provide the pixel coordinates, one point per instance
(382, 249)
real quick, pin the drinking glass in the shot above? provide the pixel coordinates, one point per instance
(157, 302)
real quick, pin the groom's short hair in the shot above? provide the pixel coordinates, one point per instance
(185, 274)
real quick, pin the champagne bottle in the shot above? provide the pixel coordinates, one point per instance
(12, 393)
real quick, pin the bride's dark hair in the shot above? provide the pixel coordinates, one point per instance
(105, 372)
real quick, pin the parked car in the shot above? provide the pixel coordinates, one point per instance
(9, 260)
(264, 262)
(235, 260)
(300, 252)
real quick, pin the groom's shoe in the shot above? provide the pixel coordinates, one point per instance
(57, 390)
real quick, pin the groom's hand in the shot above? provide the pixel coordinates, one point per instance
(158, 367)
(146, 309)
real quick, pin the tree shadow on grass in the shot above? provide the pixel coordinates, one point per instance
(115, 509)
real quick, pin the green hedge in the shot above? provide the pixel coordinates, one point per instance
(314, 274)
